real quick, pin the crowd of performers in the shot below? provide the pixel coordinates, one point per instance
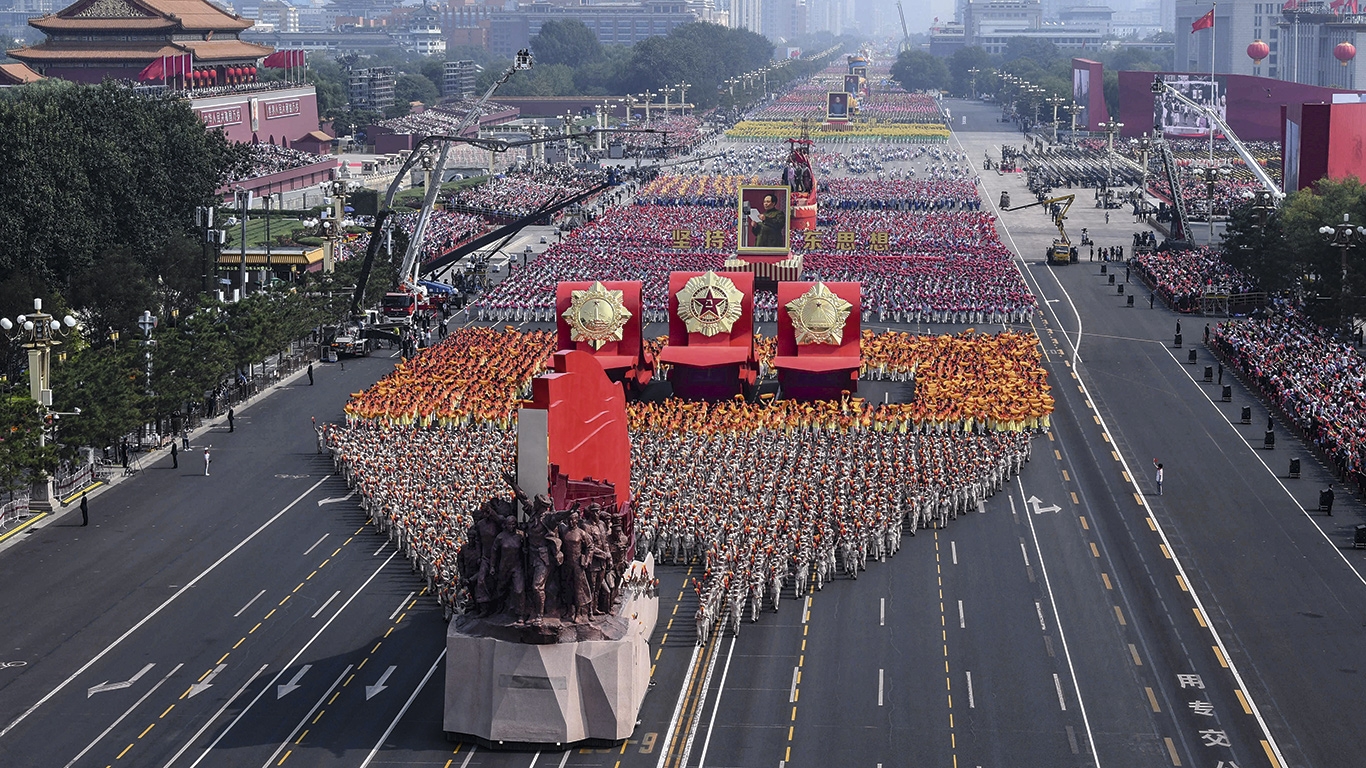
(519, 194)
(427, 446)
(932, 258)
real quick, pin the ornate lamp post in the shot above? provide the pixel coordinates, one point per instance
(1144, 145)
(1055, 102)
(1211, 176)
(335, 192)
(1343, 236)
(1110, 128)
(683, 97)
(39, 333)
(972, 79)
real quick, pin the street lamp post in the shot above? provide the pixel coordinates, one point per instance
(39, 333)
(1055, 102)
(972, 78)
(1211, 176)
(1344, 236)
(1143, 144)
(243, 200)
(683, 97)
(336, 191)
(1110, 128)
(147, 322)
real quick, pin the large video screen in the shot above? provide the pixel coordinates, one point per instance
(1180, 120)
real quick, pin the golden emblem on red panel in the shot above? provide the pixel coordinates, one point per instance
(818, 316)
(596, 315)
(710, 304)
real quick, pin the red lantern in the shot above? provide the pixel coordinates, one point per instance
(213, 75)
(1345, 52)
(251, 70)
(1257, 51)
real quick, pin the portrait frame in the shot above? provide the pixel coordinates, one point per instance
(837, 106)
(751, 198)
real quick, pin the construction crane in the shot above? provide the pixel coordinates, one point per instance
(1061, 251)
(905, 33)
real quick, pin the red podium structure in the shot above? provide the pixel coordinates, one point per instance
(574, 429)
(711, 334)
(603, 320)
(819, 334)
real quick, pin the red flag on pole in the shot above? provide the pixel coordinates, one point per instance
(277, 60)
(154, 71)
(1204, 22)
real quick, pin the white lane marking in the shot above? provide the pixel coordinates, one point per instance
(701, 705)
(972, 703)
(882, 611)
(287, 665)
(372, 691)
(316, 543)
(1012, 505)
(155, 611)
(404, 710)
(121, 717)
(711, 725)
(792, 690)
(470, 755)
(108, 686)
(879, 686)
(401, 603)
(307, 716)
(534, 758)
(1057, 684)
(206, 683)
(216, 715)
(1024, 552)
(323, 607)
(564, 760)
(1258, 455)
(1039, 610)
(248, 605)
(282, 691)
(678, 708)
(381, 549)
(953, 548)
(962, 622)
(1062, 636)
(806, 612)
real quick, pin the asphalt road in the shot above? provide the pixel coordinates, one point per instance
(250, 617)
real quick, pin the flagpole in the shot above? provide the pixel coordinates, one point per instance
(1214, 20)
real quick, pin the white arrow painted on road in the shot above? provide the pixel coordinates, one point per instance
(293, 685)
(334, 501)
(372, 690)
(108, 686)
(1034, 502)
(203, 685)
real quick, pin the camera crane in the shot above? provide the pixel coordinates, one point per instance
(1061, 251)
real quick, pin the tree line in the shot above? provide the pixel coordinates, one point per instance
(97, 220)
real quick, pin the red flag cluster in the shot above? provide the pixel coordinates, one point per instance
(167, 67)
(284, 60)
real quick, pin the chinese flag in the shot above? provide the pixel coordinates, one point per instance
(1204, 22)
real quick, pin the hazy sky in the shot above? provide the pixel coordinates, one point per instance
(919, 13)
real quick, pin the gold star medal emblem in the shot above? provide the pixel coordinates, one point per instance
(710, 304)
(818, 316)
(596, 315)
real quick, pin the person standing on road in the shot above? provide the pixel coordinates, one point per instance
(310, 374)
(85, 510)
(1151, 296)
(185, 438)
(175, 460)
(206, 461)
(1158, 476)
(231, 414)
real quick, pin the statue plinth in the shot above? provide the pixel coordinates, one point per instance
(509, 686)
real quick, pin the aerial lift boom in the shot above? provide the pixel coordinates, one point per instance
(1061, 251)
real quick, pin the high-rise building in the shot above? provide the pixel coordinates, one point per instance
(371, 88)
(1301, 41)
(459, 79)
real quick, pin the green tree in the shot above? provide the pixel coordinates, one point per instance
(412, 87)
(22, 458)
(108, 384)
(1298, 257)
(569, 42)
(920, 71)
(964, 59)
(91, 169)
